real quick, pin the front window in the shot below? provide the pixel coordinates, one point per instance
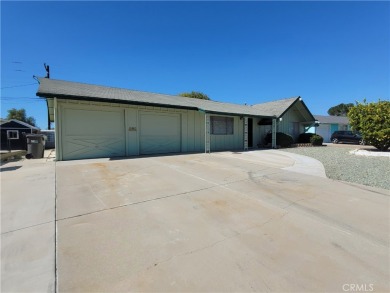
(12, 134)
(222, 125)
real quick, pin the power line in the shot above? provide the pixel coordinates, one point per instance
(18, 102)
(20, 85)
(19, 98)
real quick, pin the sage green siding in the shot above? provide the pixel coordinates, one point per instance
(132, 141)
(291, 117)
(233, 141)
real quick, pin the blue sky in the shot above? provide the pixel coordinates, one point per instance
(239, 52)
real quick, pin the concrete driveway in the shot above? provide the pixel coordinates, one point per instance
(225, 221)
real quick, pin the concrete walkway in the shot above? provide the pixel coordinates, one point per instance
(301, 164)
(28, 226)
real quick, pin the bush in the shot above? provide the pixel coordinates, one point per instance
(372, 120)
(305, 137)
(316, 140)
(282, 139)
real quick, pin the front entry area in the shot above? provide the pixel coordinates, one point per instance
(250, 132)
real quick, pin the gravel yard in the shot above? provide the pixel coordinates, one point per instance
(341, 165)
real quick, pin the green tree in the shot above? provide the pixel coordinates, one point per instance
(372, 120)
(340, 110)
(195, 95)
(20, 114)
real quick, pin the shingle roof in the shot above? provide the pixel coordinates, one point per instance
(50, 88)
(276, 108)
(80, 91)
(332, 119)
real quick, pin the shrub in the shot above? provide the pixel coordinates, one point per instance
(372, 120)
(282, 139)
(316, 140)
(305, 137)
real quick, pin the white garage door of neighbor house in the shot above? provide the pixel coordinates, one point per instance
(92, 133)
(324, 131)
(159, 133)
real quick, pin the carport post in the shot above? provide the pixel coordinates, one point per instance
(206, 133)
(274, 133)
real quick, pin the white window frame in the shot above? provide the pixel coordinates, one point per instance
(11, 132)
(222, 125)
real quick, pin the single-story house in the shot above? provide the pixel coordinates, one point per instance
(97, 121)
(329, 124)
(13, 134)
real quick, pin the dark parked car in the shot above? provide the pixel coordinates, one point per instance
(346, 136)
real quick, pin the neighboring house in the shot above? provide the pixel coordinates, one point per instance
(330, 124)
(97, 121)
(13, 134)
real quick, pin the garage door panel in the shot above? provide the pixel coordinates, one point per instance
(160, 133)
(79, 147)
(92, 133)
(159, 145)
(158, 124)
(93, 122)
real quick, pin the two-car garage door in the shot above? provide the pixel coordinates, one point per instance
(101, 132)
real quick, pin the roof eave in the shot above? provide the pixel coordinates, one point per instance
(94, 99)
(304, 105)
(114, 101)
(238, 114)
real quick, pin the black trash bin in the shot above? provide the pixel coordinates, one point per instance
(35, 146)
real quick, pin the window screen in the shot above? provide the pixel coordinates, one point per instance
(221, 125)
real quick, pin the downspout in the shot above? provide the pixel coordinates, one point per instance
(48, 115)
(274, 133)
(207, 133)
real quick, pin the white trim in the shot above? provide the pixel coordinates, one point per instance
(20, 122)
(12, 131)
